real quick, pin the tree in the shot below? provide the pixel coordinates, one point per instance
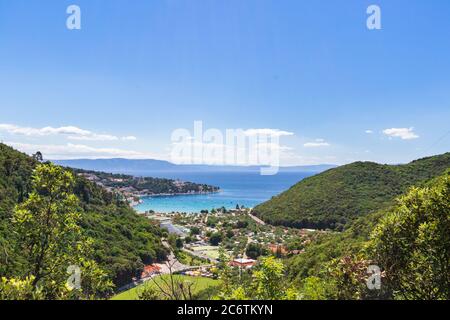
(149, 294)
(349, 277)
(50, 239)
(230, 234)
(267, 283)
(212, 222)
(38, 156)
(16, 289)
(242, 224)
(314, 288)
(226, 274)
(195, 231)
(179, 243)
(172, 239)
(215, 238)
(269, 280)
(412, 244)
(254, 250)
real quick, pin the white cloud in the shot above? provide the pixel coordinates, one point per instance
(27, 131)
(369, 131)
(402, 133)
(220, 153)
(129, 138)
(318, 143)
(74, 151)
(267, 132)
(72, 133)
(94, 137)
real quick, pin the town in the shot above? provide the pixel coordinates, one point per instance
(200, 242)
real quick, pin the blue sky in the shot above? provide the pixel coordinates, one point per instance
(137, 70)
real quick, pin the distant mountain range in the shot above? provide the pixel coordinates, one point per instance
(149, 166)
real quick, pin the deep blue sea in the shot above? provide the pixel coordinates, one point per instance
(237, 188)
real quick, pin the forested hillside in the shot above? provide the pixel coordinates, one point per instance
(123, 241)
(409, 240)
(338, 196)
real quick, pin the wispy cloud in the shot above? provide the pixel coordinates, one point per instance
(318, 143)
(129, 138)
(71, 132)
(267, 132)
(369, 131)
(73, 151)
(402, 133)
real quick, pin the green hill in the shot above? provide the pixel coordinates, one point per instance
(123, 241)
(335, 197)
(315, 261)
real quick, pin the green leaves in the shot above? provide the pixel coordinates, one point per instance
(413, 243)
(267, 282)
(16, 289)
(101, 215)
(50, 240)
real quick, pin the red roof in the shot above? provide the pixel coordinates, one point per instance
(243, 263)
(150, 270)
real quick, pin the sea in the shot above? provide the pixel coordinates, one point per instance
(246, 189)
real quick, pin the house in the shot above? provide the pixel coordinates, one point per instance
(277, 249)
(150, 270)
(296, 252)
(243, 263)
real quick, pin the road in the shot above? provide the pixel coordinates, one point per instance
(258, 220)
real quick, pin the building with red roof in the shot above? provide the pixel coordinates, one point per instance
(150, 270)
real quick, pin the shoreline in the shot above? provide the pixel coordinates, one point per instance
(159, 195)
(179, 194)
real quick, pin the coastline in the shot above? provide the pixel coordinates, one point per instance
(134, 204)
(195, 193)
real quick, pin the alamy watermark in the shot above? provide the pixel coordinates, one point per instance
(74, 280)
(374, 19)
(374, 280)
(239, 147)
(73, 22)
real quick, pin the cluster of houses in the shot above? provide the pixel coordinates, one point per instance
(204, 272)
(281, 250)
(130, 194)
(274, 239)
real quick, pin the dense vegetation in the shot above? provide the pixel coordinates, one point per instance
(51, 244)
(334, 198)
(122, 241)
(410, 242)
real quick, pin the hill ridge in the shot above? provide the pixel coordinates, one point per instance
(337, 196)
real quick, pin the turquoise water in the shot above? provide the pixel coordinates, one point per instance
(248, 189)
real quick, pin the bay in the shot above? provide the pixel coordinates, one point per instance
(237, 188)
